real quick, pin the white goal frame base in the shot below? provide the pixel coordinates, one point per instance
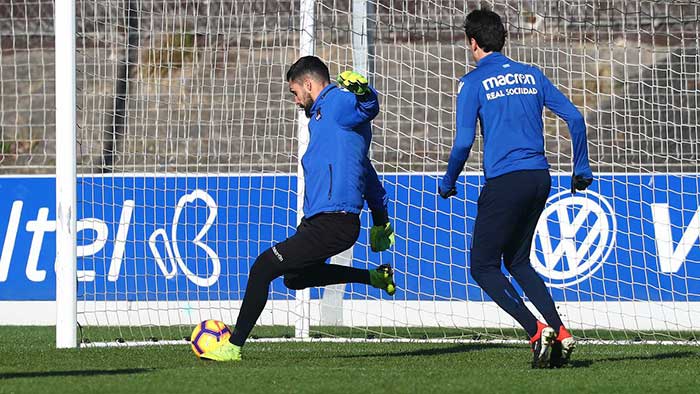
(391, 340)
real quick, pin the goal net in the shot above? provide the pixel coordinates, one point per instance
(189, 144)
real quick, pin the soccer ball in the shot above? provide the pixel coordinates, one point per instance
(209, 335)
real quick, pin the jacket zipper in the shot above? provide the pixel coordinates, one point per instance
(330, 186)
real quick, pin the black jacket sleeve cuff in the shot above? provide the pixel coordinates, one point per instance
(380, 217)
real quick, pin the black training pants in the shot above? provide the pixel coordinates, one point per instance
(509, 208)
(301, 259)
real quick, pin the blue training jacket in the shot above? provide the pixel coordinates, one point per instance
(338, 175)
(507, 98)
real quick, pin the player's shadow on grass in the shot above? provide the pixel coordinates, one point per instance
(656, 357)
(87, 372)
(651, 357)
(436, 351)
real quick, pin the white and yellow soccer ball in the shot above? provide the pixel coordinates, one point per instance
(209, 335)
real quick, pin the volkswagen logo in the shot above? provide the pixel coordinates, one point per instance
(574, 236)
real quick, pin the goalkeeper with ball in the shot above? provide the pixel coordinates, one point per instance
(339, 179)
(507, 98)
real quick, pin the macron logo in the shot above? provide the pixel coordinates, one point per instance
(508, 79)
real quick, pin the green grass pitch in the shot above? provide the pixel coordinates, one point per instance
(29, 363)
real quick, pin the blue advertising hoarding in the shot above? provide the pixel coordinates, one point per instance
(630, 238)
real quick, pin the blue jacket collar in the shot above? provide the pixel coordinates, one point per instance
(495, 57)
(321, 96)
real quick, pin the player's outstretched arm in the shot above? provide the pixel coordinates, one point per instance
(381, 235)
(364, 102)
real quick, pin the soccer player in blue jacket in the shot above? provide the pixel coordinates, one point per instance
(507, 99)
(339, 178)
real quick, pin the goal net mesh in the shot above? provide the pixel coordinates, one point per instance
(188, 156)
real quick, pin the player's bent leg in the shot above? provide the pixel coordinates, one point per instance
(490, 278)
(536, 291)
(541, 344)
(265, 269)
(316, 239)
(495, 222)
(322, 274)
(226, 352)
(295, 281)
(516, 252)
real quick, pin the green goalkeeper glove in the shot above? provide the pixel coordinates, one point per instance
(353, 82)
(381, 237)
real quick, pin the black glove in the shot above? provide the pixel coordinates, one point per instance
(578, 182)
(447, 193)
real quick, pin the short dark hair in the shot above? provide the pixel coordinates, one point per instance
(487, 29)
(308, 65)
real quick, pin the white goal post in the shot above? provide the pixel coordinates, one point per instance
(66, 246)
(176, 151)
